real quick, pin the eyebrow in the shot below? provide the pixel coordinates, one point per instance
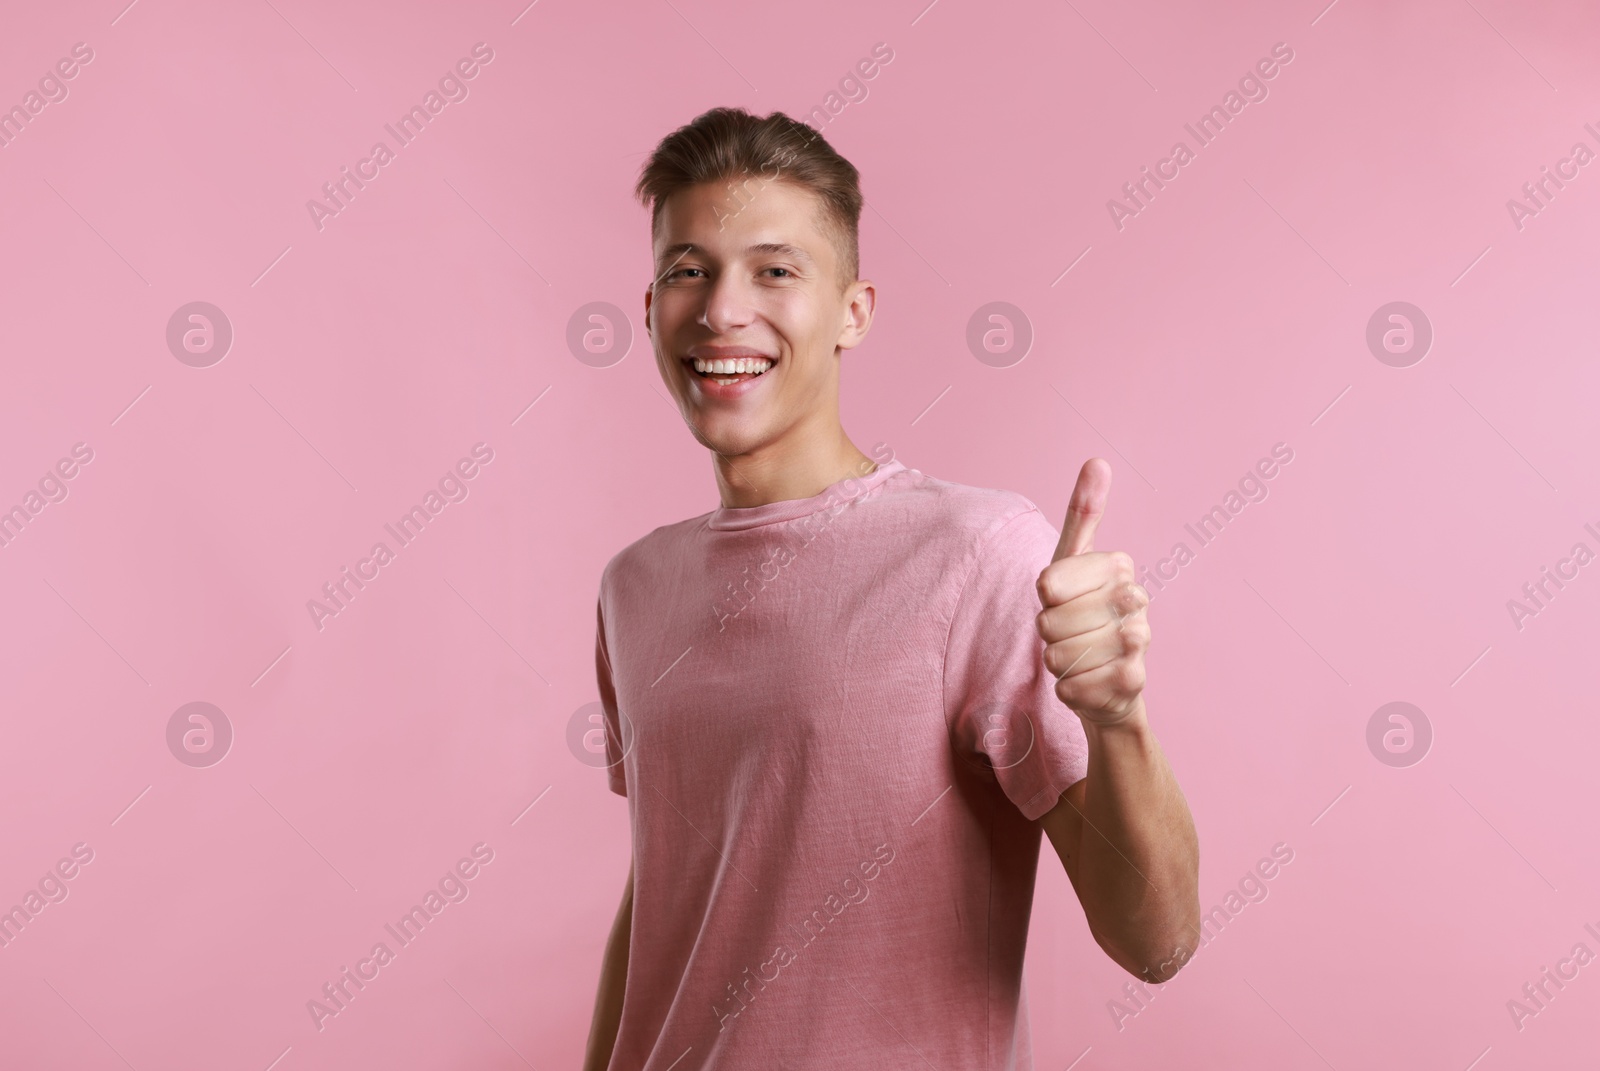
(682, 249)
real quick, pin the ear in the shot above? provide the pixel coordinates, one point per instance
(857, 313)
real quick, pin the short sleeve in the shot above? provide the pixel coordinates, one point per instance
(1000, 701)
(616, 777)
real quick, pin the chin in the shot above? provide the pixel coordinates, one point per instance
(728, 441)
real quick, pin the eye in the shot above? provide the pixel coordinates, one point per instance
(785, 270)
(680, 271)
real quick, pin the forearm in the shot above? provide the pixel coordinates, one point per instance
(613, 979)
(1139, 852)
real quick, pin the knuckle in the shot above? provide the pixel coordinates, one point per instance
(1068, 693)
(1132, 607)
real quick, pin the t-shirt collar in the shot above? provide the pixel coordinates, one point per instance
(724, 519)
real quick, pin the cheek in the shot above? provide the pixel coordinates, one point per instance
(794, 315)
(666, 313)
(808, 345)
(668, 369)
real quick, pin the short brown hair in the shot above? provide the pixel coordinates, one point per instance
(730, 143)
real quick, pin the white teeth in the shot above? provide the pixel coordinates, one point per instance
(732, 365)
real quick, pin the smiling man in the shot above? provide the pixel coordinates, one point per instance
(844, 705)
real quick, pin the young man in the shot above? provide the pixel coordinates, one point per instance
(843, 704)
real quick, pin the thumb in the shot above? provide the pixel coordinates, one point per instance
(1084, 510)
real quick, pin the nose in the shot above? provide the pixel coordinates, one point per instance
(727, 306)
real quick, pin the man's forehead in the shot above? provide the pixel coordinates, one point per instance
(777, 217)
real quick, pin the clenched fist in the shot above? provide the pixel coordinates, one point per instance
(1093, 623)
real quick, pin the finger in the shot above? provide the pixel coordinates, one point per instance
(1078, 574)
(1112, 637)
(1104, 688)
(1081, 654)
(1073, 617)
(1085, 508)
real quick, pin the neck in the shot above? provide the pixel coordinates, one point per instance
(780, 472)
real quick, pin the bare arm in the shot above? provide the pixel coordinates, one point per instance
(1124, 832)
(1127, 841)
(613, 977)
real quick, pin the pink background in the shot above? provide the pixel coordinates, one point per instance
(432, 713)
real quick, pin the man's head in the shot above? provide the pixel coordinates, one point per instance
(754, 233)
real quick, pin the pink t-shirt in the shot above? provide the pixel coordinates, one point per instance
(835, 732)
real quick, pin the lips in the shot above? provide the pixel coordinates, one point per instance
(709, 350)
(727, 372)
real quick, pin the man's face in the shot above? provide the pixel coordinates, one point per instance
(746, 273)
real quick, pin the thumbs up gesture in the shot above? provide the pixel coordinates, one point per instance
(1093, 623)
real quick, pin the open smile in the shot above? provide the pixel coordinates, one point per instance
(723, 375)
(730, 369)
